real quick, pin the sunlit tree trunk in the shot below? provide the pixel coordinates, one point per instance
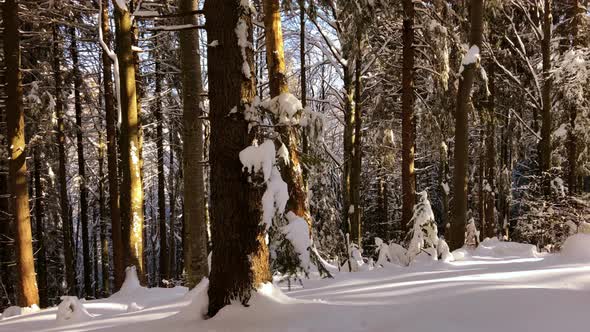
(291, 173)
(17, 171)
(132, 215)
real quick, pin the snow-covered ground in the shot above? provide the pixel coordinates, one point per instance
(499, 286)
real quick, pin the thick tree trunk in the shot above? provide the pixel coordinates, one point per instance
(240, 259)
(195, 257)
(67, 227)
(81, 165)
(17, 171)
(408, 118)
(112, 158)
(545, 143)
(460, 180)
(131, 188)
(163, 271)
(40, 231)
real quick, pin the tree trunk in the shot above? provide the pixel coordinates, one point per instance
(545, 143)
(67, 227)
(292, 173)
(131, 187)
(172, 202)
(163, 271)
(578, 16)
(112, 158)
(408, 119)
(17, 171)
(303, 81)
(347, 148)
(356, 156)
(240, 259)
(461, 154)
(81, 165)
(104, 243)
(40, 231)
(490, 210)
(195, 258)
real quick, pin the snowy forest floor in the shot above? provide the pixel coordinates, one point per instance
(502, 285)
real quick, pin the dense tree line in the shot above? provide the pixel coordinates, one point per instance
(196, 139)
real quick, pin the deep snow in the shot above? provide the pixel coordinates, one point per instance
(499, 286)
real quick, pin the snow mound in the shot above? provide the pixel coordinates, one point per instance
(17, 311)
(133, 307)
(270, 291)
(71, 310)
(461, 254)
(577, 247)
(444, 251)
(199, 301)
(499, 249)
(131, 283)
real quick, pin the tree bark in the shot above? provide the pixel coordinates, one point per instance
(240, 258)
(356, 156)
(408, 118)
(112, 158)
(104, 243)
(303, 81)
(132, 215)
(461, 154)
(172, 202)
(40, 231)
(545, 143)
(67, 227)
(195, 258)
(292, 173)
(17, 172)
(81, 165)
(490, 209)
